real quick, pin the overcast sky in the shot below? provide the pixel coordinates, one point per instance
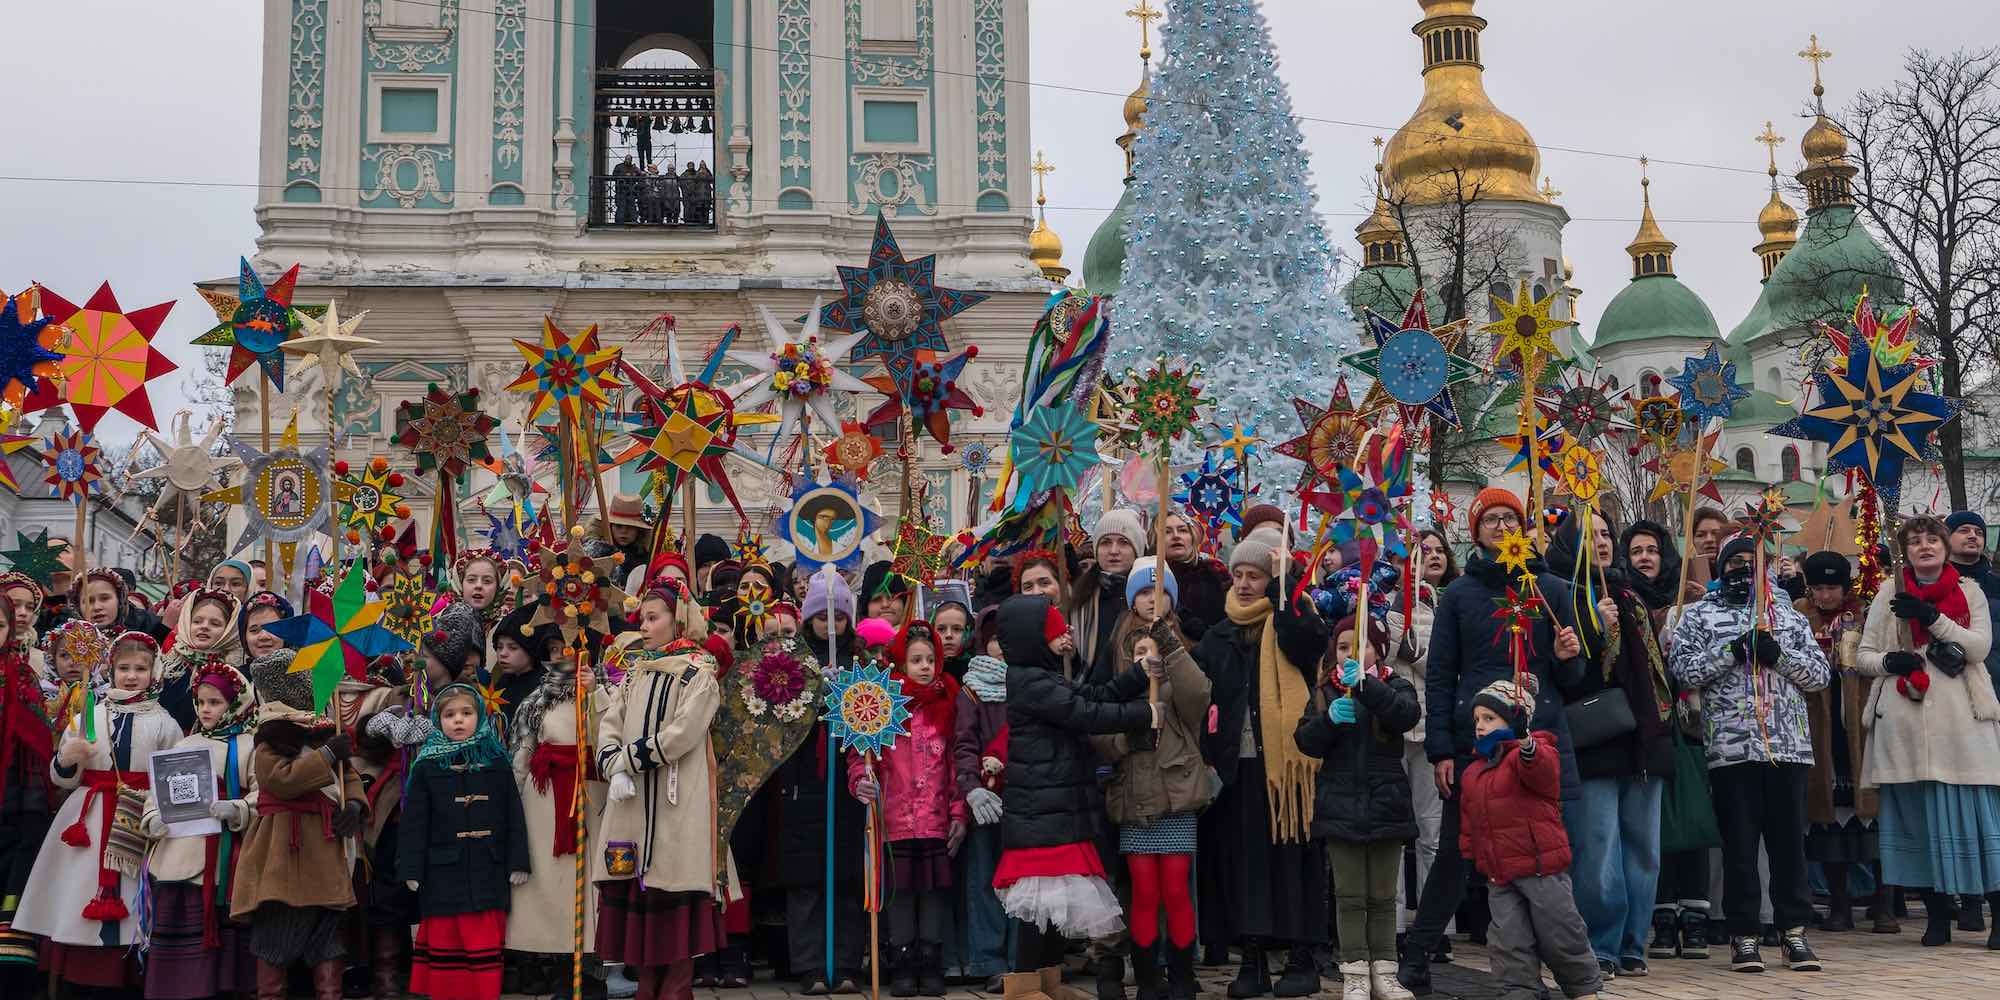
(169, 91)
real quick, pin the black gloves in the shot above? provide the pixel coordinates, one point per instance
(1910, 607)
(1758, 644)
(1164, 635)
(339, 746)
(1902, 663)
(347, 821)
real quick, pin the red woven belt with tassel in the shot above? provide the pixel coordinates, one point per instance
(556, 762)
(102, 787)
(313, 804)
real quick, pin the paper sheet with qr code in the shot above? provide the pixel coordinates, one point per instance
(184, 787)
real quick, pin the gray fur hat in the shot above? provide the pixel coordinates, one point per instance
(282, 696)
(454, 635)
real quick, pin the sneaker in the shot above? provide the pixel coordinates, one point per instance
(1635, 967)
(1743, 955)
(1799, 955)
(1695, 929)
(1666, 934)
(1607, 969)
(619, 984)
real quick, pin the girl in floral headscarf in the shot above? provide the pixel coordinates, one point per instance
(205, 634)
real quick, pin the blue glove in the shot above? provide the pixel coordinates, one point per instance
(1350, 673)
(1341, 711)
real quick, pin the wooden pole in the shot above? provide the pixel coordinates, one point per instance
(1159, 569)
(180, 537)
(875, 911)
(687, 520)
(332, 527)
(579, 807)
(81, 548)
(1687, 523)
(264, 420)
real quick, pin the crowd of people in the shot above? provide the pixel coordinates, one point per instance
(650, 196)
(1212, 754)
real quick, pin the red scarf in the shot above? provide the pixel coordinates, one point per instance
(1944, 595)
(555, 764)
(936, 702)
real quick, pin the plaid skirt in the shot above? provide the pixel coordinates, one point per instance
(457, 957)
(919, 864)
(178, 965)
(641, 926)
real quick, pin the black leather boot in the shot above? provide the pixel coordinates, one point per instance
(903, 971)
(1110, 978)
(1666, 941)
(1301, 978)
(1253, 979)
(1937, 919)
(1839, 905)
(1146, 972)
(1180, 973)
(1413, 970)
(930, 969)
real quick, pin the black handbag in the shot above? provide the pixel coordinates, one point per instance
(1600, 718)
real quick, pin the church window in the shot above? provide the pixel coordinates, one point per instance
(1746, 461)
(1541, 291)
(1498, 290)
(1788, 463)
(655, 160)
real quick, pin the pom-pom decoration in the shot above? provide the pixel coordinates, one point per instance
(445, 431)
(576, 596)
(372, 502)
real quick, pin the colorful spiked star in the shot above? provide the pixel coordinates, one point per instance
(109, 358)
(570, 374)
(30, 347)
(896, 304)
(254, 323)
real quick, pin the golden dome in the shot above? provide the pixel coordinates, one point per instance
(1652, 253)
(1457, 136)
(1778, 221)
(1045, 250)
(1135, 103)
(1823, 142)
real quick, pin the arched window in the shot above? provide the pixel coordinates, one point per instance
(1773, 380)
(1497, 290)
(1746, 461)
(1788, 463)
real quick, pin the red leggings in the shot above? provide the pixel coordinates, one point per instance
(1161, 880)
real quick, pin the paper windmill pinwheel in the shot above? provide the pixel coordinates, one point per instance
(894, 306)
(1525, 328)
(186, 466)
(571, 375)
(854, 451)
(286, 494)
(1872, 418)
(30, 348)
(372, 503)
(929, 391)
(1707, 384)
(445, 431)
(1329, 437)
(1413, 364)
(338, 635)
(576, 590)
(1364, 497)
(329, 342)
(1051, 451)
(827, 523)
(109, 357)
(1585, 405)
(1894, 343)
(1164, 402)
(254, 323)
(72, 461)
(36, 557)
(1211, 492)
(867, 709)
(1687, 469)
(800, 374)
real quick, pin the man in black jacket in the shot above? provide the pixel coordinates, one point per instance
(1465, 656)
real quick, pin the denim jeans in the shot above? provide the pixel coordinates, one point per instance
(1614, 842)
(988, 932)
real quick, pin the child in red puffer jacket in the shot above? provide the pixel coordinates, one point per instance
(1511, 827)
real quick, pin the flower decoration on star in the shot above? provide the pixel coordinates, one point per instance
(1513, 552)
(779, 684)
(107, 362)
(1414, 365)
(576, 590)
(73, 465)
(975, 457)
(1708, 387)
(928, 394)
(801, 375)
(854, 452)
(1328, 439)
(867, 709)
(1525, 328)
(1872, 418)
(254, 323)
(30, 347)
(894, 306)
(569, 374)
(1051, 451)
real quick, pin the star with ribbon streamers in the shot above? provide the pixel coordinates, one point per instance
(1708, 387)
(1412, 364)
(800, 374)
(918, 553)
(1895, 343)
(1525, 328)
(1328, 439)
(1549, 441)
(338, 634)
(255, 323)
(1872, 418)
(893, 306)
(73, 468)
(1051, 451)
(36, 557)
(1687, 469)
(108, 359)
(854, 451)
(571, 375)
(30, 347)
(929, 392)
(1365, 511)
(1765, 517)
(1517, 613)
(329, 343)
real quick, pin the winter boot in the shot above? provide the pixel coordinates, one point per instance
(1181, 984)
(1301, 977)
(1253, 978)
(930, 969)
(1882, 914)
(1970, 917)
(389, 948)
(1414, 971)
(1937, 919)
(708, 970)
(1666, 934)
(1694, 934)
(735, 967)
(903, 971)
(1110, 977)
(1993, 938)
(1839, 905)
(1023, 986)
(1354, 983)
(270, 981)
(327, 979)
(1146, 972)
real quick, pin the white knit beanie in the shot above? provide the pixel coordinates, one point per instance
(1123, 522)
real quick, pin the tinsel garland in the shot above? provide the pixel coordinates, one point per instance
(1868, 534)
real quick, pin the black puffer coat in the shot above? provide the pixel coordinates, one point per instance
(1051, 796)
(1464, 658)
(1228, 655)
(1362, 793)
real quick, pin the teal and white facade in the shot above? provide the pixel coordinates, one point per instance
(459, 170)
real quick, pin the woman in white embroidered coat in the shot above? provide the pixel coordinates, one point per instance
(661, 858)
(1933, 730)
(83, 895)
(545, 747)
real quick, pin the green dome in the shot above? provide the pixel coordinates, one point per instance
(1762, 409)
(1385, 289)
(1650, 308)
(1104, 256)
(1819, 278)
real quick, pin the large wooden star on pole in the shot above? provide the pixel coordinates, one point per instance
(1525, 328)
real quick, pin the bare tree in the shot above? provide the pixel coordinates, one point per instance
(1928, 154)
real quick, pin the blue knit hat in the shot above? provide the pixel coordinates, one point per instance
(1141, 578)
(1960, 518)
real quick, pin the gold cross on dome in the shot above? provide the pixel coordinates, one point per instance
(1549, 189)
(1812, 53)
(1042, 168)
(1771, 139)
(1145, 15)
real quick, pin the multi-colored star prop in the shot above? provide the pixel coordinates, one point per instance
(1365, 507)
(799, 374)
(918, 552)
(1708, 387)
(1764, 518)
(894, 305)
(407, 604)
(286, 494)
(1658, 419)
(1213, 493)
(1328, 439)
(1525, 328)
(1164, 401)
(929, 393)
(337, 635)
(445, 431)
(576, 589)
(9, 444)
(827, 523)
(1687, 469)
(570, 374)
(867, 709)
(255, 323)
(329, 342)
(1548, 441)
(1577, 472)
(1412, 364)
(108, 359)
(1895, 342)
(37, 558)
(1872, 418)
(1586, 405)
(73, 465)
(1516, 613)
(373, 503)
(854, 452)
(748, 548)
(30, 347)
(1051, 451)
(694, 429)
(754, 608)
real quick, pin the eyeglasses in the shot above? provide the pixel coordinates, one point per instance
(1500, 519)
